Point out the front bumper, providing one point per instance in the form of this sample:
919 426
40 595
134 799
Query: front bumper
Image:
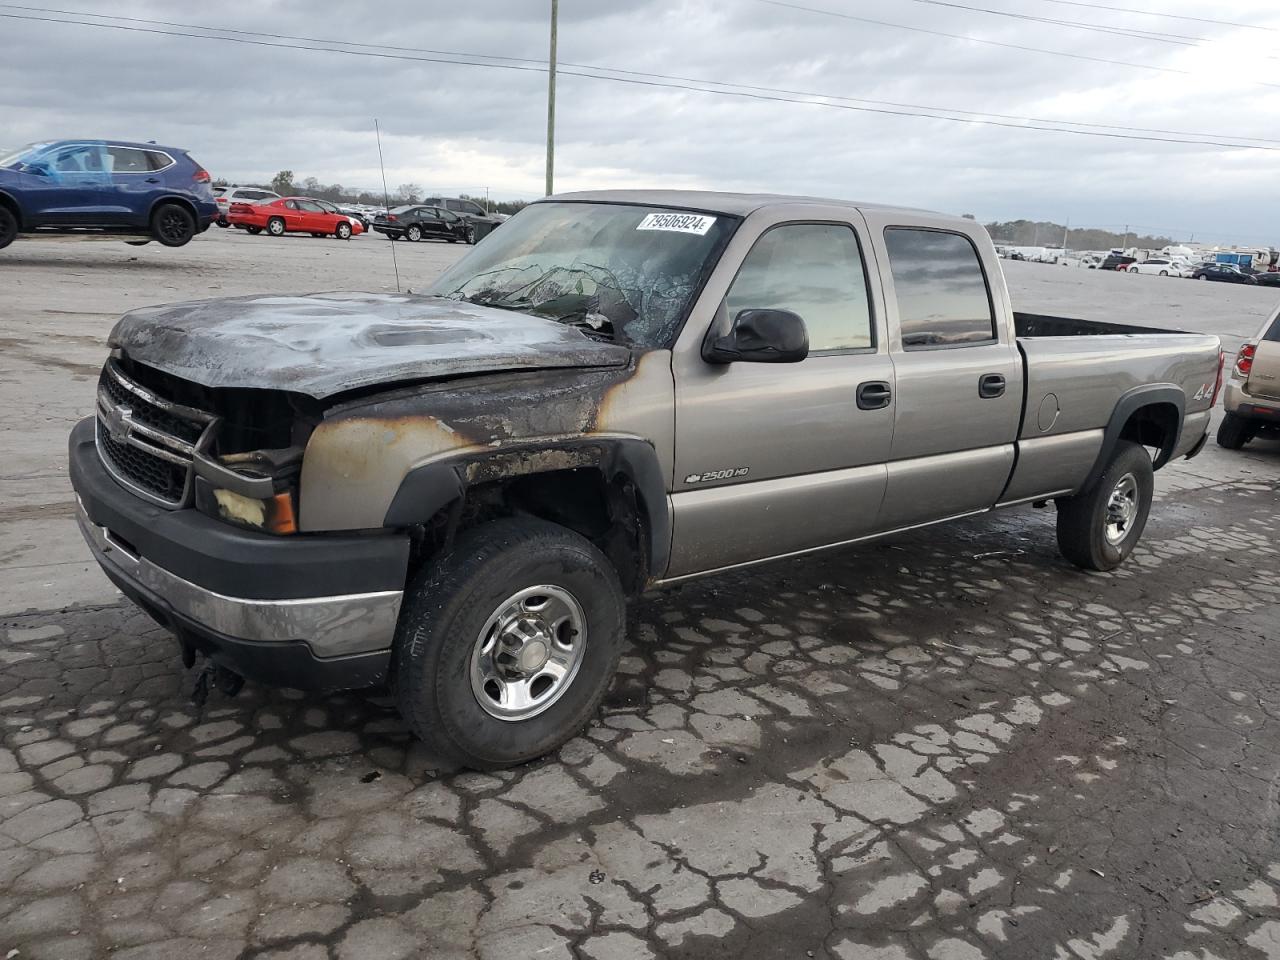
310 612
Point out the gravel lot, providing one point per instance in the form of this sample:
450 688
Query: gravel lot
946 746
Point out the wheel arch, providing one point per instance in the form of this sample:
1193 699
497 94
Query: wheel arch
1151 415
610 489
10 203
180 201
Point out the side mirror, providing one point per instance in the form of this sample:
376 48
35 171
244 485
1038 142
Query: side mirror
760 336
39 168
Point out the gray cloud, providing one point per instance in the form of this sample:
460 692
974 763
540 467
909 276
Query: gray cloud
246 111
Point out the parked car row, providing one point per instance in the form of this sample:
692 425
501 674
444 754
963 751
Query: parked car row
144 191
1177 267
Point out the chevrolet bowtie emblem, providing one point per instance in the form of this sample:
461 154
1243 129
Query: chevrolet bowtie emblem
120 423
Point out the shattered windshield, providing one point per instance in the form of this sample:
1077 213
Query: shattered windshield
623 272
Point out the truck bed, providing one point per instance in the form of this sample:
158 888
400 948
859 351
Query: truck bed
1045 325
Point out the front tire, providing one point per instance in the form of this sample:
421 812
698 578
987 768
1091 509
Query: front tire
222 223
1099 527
1233 432
506 646
173 225
253 231
342 231
275 227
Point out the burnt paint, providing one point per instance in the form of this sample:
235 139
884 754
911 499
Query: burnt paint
325 344
359 454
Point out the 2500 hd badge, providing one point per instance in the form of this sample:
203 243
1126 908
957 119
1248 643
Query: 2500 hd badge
730 474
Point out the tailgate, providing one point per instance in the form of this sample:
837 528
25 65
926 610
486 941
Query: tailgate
1264 377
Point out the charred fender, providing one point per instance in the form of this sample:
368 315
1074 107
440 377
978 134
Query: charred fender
626 461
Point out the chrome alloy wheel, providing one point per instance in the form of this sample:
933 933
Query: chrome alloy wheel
1122 508
528 652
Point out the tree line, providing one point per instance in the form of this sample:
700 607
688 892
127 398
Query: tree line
286 184
1044 233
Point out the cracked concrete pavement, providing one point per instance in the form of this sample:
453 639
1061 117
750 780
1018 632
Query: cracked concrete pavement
946 746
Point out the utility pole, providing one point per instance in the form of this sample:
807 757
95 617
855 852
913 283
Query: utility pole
1126 238
551 101
1065 231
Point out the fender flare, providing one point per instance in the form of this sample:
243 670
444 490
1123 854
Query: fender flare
432 487
1129 404
9 200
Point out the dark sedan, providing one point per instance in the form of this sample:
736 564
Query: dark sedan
416 222
1222 272
1271 279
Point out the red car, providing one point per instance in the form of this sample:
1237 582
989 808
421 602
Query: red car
292 215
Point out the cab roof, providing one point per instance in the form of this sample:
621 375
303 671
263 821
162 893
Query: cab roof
729 204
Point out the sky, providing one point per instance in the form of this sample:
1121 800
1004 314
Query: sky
247 109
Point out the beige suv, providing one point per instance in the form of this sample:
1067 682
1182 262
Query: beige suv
1252 397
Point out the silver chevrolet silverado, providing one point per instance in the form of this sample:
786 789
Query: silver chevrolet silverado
455 493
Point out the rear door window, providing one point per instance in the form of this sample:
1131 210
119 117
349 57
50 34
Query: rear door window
127 160
942 294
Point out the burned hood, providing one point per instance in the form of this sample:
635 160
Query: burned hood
327 343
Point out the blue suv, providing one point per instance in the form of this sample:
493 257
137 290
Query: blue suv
139 190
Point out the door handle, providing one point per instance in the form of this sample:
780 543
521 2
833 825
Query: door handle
153 179
991 385
874 395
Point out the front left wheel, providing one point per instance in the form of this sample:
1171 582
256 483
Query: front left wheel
506 646
342 231
8 227
173 225
1099 527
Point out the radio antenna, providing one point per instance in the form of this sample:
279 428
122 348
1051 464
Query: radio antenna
386 199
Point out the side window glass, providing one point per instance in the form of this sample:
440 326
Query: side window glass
816 271
127 160
77 159
156 160
292 204
941 290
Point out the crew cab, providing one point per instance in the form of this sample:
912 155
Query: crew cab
293 215
618 391
1252 397
114 188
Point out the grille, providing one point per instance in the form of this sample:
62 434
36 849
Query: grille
148 442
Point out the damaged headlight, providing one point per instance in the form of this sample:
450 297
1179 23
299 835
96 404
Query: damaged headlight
255 490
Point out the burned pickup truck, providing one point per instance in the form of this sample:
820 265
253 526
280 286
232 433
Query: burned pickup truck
456 493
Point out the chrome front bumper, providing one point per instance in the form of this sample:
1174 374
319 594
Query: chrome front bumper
331 626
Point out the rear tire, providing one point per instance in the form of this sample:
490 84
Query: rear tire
1233 432
253 231
413 233
222 223
137 243
342 231
275 227
1099 527
470 667
173 225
